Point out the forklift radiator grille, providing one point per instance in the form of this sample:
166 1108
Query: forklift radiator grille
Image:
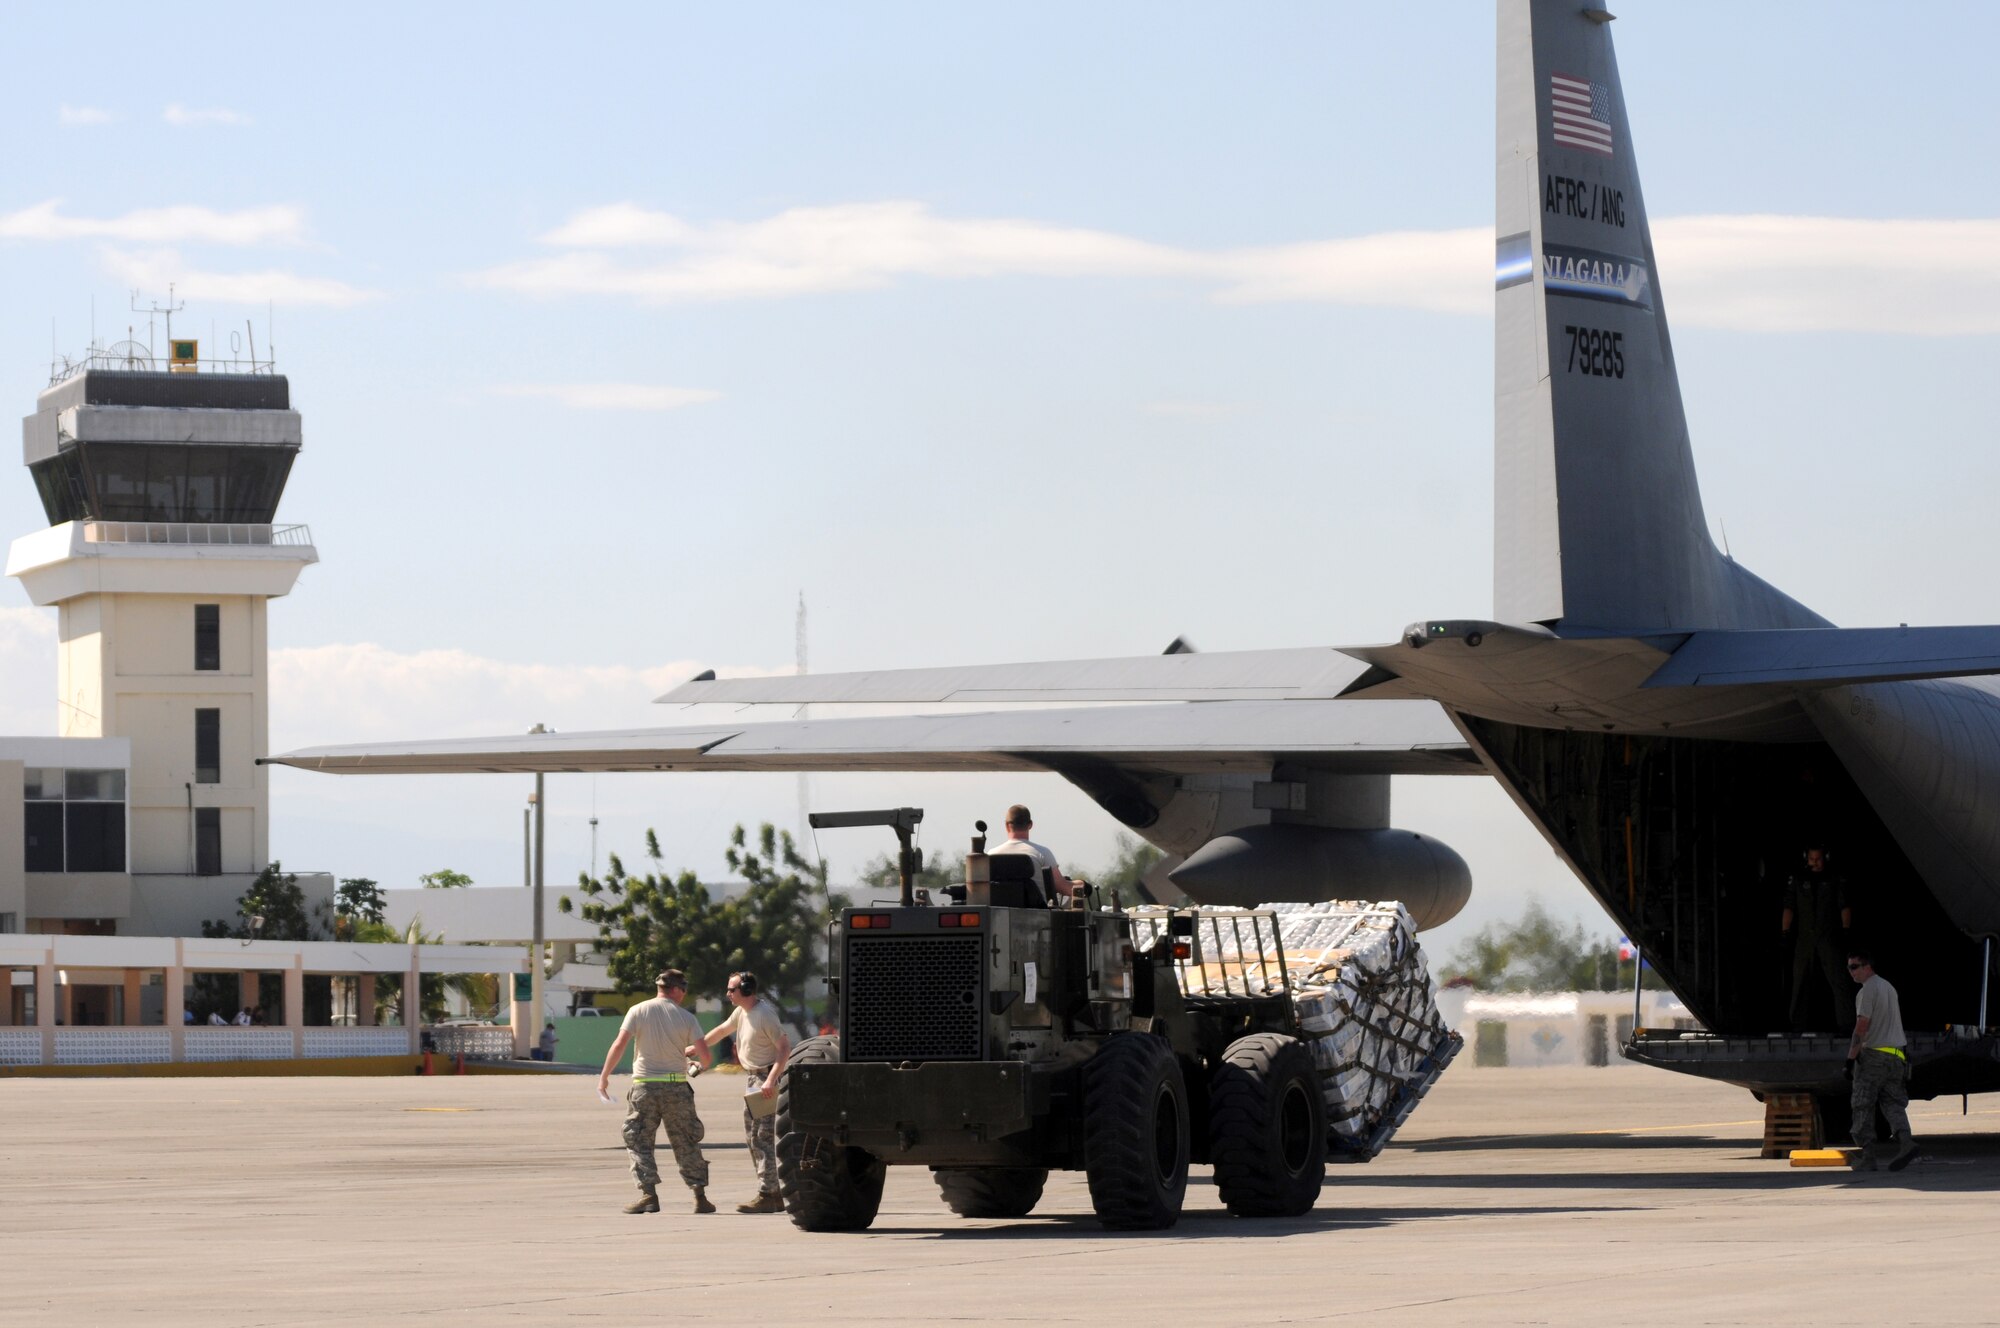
912 998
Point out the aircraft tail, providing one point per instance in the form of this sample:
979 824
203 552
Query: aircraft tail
1598 522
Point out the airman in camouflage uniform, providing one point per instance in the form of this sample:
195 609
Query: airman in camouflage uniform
648 1108
660 1094
1879 1050
761 1049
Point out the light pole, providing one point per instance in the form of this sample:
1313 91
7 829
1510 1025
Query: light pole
536 975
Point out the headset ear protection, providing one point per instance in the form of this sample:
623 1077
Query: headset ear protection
1825 856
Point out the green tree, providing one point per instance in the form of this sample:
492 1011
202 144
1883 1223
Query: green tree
774 928
358 900
660 920
1536 953
477 988
882 879
1119 883
276 898
445 879
655 921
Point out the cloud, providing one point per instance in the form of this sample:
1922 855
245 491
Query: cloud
1825 274
1437 271
811 250
183 224
1750 273
83 115
156 268
612 396
1191 410
190 117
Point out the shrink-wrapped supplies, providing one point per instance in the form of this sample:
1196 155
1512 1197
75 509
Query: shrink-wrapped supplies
1364 996
1360 982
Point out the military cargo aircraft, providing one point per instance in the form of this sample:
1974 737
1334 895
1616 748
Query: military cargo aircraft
1677 728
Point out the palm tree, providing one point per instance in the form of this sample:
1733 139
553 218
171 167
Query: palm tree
477 989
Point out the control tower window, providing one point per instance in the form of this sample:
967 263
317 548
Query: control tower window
207 636
208 841
172 482
208 746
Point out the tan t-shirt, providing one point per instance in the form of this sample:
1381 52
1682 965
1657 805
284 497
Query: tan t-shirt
1877 1003
660 1031
756 1031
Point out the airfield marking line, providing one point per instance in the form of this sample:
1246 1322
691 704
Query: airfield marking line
1655 1129
1716 1125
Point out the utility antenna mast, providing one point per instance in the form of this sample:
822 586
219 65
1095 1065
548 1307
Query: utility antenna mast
805 783
155 307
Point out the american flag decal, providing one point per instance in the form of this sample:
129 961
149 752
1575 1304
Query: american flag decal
1580 113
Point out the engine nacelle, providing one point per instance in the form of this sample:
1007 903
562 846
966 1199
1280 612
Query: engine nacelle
1264 864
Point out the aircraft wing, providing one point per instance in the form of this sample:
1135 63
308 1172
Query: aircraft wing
1387 737
1830 656
1235 675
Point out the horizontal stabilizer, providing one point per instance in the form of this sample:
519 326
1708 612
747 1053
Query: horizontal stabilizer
1389 738
1830 656
1241 675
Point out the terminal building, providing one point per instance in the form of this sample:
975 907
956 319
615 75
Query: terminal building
149 814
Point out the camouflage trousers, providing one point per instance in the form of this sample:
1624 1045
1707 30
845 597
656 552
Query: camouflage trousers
762 1136
647 1108
1880 1081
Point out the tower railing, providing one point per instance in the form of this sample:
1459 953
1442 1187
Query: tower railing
231 533
103 361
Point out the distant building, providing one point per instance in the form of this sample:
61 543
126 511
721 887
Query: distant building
149 813
1528 1029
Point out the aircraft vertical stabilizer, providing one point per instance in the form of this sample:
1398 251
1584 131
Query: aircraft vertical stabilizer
1598 520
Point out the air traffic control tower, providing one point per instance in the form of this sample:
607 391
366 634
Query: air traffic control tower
161 482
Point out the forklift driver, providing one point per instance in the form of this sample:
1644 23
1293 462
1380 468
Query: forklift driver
1018 825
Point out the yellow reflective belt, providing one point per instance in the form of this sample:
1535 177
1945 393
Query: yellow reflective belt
662 1079
1897 1052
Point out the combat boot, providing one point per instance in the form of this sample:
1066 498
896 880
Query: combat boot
647 1202
701 1203
1864 1159
1906 1152
763 1203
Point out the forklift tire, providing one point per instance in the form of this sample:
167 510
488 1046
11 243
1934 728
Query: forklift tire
991 1191
826 1186
1135 1133
1267 1127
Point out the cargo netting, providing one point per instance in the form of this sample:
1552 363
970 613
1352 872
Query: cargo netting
1362 990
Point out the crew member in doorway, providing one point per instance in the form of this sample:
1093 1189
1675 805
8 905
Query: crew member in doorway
1881 1056
1816 913
660 1093
1019 823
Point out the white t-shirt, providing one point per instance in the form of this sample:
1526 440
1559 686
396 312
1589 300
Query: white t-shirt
1042 856
660 1031
756 1031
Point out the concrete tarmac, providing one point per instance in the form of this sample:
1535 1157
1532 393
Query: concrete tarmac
1620 1195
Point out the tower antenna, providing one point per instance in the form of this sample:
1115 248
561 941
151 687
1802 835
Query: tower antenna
155 307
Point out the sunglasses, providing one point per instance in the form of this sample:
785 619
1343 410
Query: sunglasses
1852 967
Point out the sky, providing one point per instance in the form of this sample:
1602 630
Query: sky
996 332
